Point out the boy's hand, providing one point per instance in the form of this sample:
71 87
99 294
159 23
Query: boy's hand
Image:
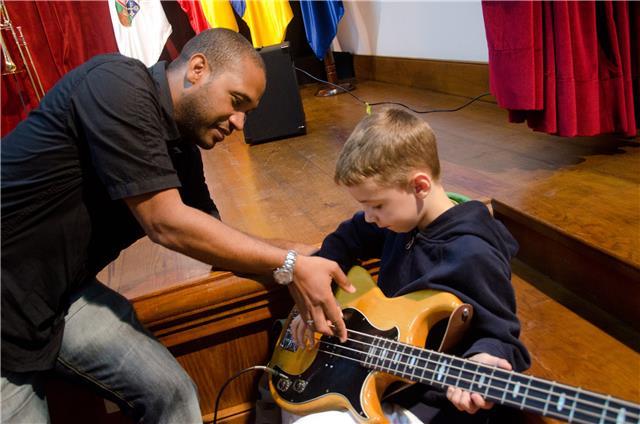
311 290
472 402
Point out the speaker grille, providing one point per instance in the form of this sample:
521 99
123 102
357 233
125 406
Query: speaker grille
280 113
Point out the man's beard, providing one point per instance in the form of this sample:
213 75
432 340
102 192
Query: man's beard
189 120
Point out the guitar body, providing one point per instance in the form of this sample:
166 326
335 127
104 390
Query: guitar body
321 379
384 345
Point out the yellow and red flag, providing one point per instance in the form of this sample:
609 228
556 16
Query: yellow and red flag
267 19
205 14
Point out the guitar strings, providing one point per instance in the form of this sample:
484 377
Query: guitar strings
434 382
507 401
392 343
395 344
474 373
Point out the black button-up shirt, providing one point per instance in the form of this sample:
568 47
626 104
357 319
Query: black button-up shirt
104 132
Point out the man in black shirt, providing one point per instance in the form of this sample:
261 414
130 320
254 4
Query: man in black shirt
109 156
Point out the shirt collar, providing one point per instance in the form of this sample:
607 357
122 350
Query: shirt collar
159 74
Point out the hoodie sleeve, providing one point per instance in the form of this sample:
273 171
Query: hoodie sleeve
353 241
484 281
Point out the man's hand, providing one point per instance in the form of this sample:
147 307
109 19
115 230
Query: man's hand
472 402
311 290
303 334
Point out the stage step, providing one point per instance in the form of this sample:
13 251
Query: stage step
586 271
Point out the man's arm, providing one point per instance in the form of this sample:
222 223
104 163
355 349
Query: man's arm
187 161
170 223
301 248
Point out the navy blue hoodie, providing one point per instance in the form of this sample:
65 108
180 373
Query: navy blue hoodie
464 251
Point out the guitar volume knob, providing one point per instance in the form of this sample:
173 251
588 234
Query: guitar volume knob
283 384
299 386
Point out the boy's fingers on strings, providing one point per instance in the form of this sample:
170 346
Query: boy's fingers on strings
488 359
467 401
461 400
480 401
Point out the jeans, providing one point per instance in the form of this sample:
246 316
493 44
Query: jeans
104 345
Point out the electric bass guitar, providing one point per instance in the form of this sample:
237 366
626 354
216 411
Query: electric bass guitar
354 375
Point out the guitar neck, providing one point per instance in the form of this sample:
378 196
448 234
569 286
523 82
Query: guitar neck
547 398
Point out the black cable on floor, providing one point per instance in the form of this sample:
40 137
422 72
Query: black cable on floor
238 374
368 105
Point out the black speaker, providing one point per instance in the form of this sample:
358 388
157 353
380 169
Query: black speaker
280 113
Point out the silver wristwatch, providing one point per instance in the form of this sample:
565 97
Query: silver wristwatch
284 274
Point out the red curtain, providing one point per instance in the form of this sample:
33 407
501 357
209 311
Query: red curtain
60 36
566 68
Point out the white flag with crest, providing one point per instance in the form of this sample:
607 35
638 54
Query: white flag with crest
141 28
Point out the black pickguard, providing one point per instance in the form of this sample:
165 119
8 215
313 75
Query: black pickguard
330 373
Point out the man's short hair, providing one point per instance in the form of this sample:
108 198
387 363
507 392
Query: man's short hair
387 146
222 47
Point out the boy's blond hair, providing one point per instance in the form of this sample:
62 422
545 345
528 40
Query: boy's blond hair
387 146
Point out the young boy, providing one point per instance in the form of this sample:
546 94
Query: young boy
390 166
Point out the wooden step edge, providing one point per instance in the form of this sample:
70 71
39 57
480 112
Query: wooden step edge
603 320
589 272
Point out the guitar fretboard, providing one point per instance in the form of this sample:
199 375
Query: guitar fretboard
525 392
544 397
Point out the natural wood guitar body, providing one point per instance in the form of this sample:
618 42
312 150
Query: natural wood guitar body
349 386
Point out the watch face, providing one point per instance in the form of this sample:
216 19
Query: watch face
282 276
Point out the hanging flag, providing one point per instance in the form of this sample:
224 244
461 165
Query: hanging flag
141 28
321 23
219 14
196 16
238 6
267 19
205 14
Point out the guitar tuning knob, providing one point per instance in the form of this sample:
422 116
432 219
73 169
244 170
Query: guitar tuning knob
465 314
283 384
299 385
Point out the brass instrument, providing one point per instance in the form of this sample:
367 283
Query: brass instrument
9 66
